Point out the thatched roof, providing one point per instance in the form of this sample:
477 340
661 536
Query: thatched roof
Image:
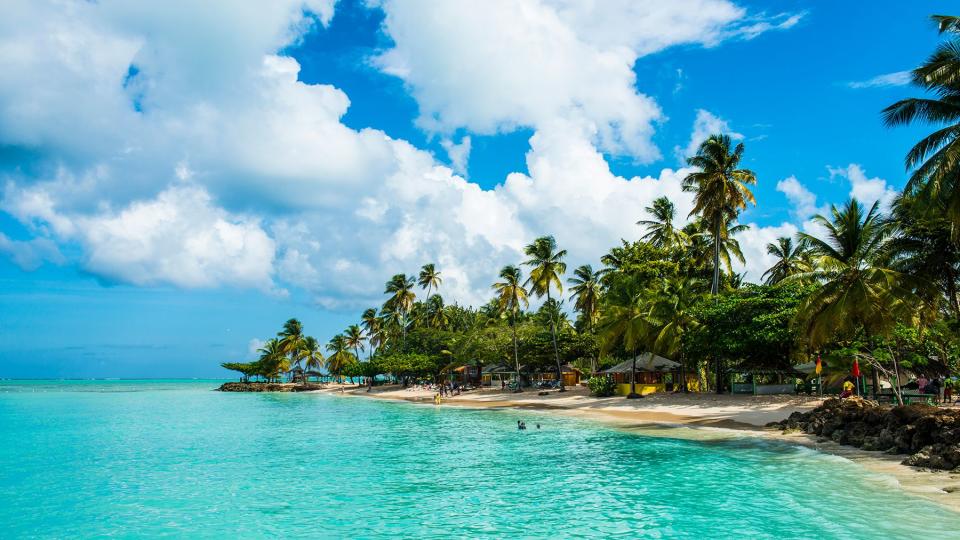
645 362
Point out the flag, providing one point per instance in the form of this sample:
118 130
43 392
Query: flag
819 366
856 368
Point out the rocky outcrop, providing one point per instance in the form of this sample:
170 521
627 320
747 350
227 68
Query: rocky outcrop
929 435
267 387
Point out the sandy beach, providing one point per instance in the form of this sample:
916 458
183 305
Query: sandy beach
691 416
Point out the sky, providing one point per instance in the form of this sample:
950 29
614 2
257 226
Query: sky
178 178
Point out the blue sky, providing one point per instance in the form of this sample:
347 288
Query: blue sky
177 181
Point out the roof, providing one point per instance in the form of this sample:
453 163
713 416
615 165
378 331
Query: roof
645 362
499 368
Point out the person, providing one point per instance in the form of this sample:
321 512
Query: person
519 424
933 387
538 426
847 389
922 384
947 391
503 384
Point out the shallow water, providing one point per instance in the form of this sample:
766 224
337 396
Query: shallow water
173 458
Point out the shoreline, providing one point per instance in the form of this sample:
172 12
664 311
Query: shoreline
699 417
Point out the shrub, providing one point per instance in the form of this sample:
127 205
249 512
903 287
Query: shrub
602 386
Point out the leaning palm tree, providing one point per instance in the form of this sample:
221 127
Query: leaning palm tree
720 190
660 230
429 278
791 259
511 295
546 266
400 289
585 289
935 160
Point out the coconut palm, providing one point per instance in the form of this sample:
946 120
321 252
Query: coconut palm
660 229
585 289
354 339
291 340
429 278
372 327
671 311
400 289
340 356
720 190
935 160
436 313
313 358
623 321
859 288
511 297
791 259
546 266
273 359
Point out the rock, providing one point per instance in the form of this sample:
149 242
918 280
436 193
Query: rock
935 456
267 387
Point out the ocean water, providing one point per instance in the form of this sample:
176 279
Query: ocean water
128 459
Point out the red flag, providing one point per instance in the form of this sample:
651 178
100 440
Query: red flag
856 368
819 367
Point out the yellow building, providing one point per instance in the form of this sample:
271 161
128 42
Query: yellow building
650 373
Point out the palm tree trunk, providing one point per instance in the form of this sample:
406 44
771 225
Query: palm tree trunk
633 376
516 354
952 293
715 288
556 351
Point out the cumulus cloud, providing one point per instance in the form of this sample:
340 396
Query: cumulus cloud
864 189
897 78
704 125
30 254
188 152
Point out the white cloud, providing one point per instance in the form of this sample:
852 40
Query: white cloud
866 190
30 254
897 78
459 154
704 125
753 244
235 172
803 200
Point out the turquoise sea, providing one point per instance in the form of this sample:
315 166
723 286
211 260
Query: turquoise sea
129 459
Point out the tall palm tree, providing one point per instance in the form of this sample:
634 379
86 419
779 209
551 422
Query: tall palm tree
400 289
791 259
354 339
372 327
720 190
660 229
935 160
859 289
585 289
546 266
291 340
340 356
511 296
429 278
311 354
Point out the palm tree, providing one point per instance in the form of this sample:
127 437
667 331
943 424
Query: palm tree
311 354
585 289
273 359
400 289
372 327
354 339
511 295
624 321
671 311
291 340
935 160
791 259
720 189
547 265
429 278
341 355
436 313
660 230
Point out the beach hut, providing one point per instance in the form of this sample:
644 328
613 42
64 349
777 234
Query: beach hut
571 375
495 374
653 374
764 382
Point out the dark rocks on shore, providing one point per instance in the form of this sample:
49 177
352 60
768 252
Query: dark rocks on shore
929 435
267 387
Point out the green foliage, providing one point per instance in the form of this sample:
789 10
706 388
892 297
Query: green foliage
602 386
